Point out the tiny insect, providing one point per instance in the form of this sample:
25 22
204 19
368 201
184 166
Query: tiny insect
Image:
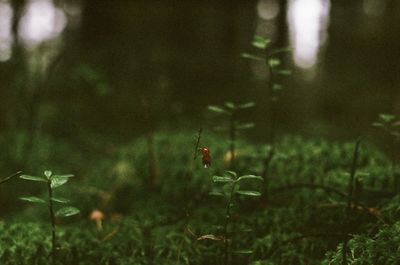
205 151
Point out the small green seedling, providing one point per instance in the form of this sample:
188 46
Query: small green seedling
52 182
273 63
390 125
230 189
231 111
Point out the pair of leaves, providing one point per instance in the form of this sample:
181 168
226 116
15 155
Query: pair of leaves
63 212
35 199
56 180
231 179
229 106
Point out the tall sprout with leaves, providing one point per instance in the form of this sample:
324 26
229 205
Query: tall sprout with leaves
390 125
52 182
274 87
230 187
231 111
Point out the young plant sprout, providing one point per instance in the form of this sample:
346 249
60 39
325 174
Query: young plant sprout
231 110
230 189
273 63
390 125
52 182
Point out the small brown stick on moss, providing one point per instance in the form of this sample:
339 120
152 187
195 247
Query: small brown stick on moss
196 147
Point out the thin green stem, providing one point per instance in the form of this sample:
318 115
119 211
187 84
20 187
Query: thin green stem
196 146
232 135
227 219
271 105
53 224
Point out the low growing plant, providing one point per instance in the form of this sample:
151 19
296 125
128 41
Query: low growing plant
230 189
274 87
52 182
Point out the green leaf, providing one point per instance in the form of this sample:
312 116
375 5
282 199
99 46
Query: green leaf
277 87
48 173
33 199
249 193
273 62
245 126
247 105
64 176
250 177
387 117
60 200
223 179
252 57
59 180
67 211
230 105
243 251
378 124
281 50
215 193
260 42
220 128
232 173
33 178
395 134
217 109
397 123
284 72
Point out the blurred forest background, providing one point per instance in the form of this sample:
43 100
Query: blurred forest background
73 67
114 92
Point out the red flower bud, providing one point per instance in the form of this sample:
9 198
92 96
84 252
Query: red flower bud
206 157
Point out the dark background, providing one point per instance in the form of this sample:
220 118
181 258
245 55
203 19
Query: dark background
181 56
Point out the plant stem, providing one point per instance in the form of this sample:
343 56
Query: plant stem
232 135
271 136
393 166
10 177
53 224
227 219
271 105
350 199
196 147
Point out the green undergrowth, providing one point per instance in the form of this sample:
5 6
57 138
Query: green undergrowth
299 219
